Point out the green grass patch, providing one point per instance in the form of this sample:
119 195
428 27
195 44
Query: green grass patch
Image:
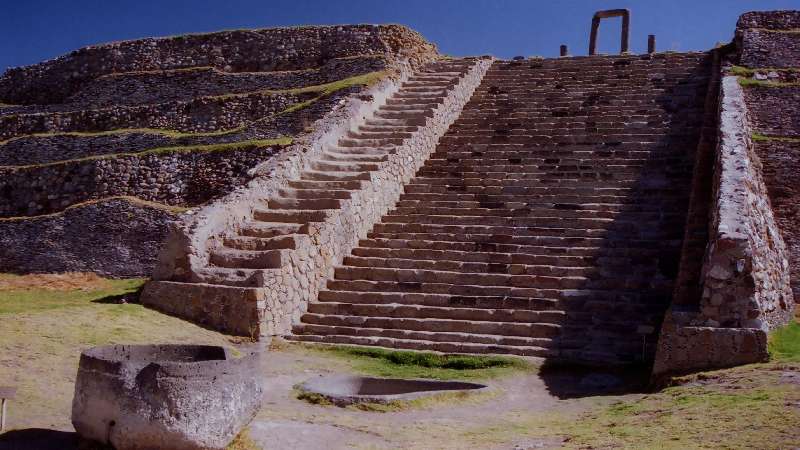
749 82
210 148
133 200
784 343
38 300
407 364
323 90
757 137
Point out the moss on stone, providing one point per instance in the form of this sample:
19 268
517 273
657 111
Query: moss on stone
134 200
210 148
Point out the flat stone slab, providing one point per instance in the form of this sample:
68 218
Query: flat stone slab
165 396
343 390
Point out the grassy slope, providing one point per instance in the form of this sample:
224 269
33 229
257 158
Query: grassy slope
405 364
43 330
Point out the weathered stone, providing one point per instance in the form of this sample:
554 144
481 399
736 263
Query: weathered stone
171 397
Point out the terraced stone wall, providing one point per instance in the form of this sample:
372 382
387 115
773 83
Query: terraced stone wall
114 237
263 50
769 39
770 80
176 121
176 178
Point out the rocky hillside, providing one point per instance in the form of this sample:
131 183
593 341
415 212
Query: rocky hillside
102 147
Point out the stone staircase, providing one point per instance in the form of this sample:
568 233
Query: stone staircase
250 263
548 222
284 222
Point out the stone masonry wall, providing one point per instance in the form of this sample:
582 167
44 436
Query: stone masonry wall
173 178
769 39
45 148
745 277
780 162
775 111
231 51
181 84
198 115
115 237
746 271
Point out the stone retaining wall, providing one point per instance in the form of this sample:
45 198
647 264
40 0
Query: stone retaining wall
781 169
114 237
203 114
285 292
261 50
38 149
769 39
183 84
173 178
745 277
776 110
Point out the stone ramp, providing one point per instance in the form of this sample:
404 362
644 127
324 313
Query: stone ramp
548 222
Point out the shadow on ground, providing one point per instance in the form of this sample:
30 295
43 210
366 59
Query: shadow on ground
566 381
40 439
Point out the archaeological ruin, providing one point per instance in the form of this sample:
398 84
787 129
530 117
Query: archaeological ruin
351 185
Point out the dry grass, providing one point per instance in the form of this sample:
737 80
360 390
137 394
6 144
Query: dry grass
132 200
68 281
47 320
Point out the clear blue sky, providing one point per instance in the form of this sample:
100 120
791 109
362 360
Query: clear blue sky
34 30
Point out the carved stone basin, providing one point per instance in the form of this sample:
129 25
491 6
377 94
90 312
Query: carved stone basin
165 396
343 390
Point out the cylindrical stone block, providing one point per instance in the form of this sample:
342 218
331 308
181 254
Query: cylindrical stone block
651 43
564 50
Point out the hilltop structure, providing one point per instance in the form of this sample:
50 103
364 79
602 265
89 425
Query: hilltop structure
351 185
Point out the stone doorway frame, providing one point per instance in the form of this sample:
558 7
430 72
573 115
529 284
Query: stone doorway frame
625 35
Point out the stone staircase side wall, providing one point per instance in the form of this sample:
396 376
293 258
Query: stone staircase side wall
745 276
769 39
746 271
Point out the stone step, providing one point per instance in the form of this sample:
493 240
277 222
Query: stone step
389 128
533 330
439 337
519 246
440 300
559 202
376 142
318 175
400 122
337 185
340 166
629 224
294 216
353 157
361 134
522 210
308 204
407 114
251 243
233 277
361 150
268 230
660 296
395 311
521 265
315 194
231 258
414 344
508 230
627 281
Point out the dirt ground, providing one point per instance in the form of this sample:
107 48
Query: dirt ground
42 333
